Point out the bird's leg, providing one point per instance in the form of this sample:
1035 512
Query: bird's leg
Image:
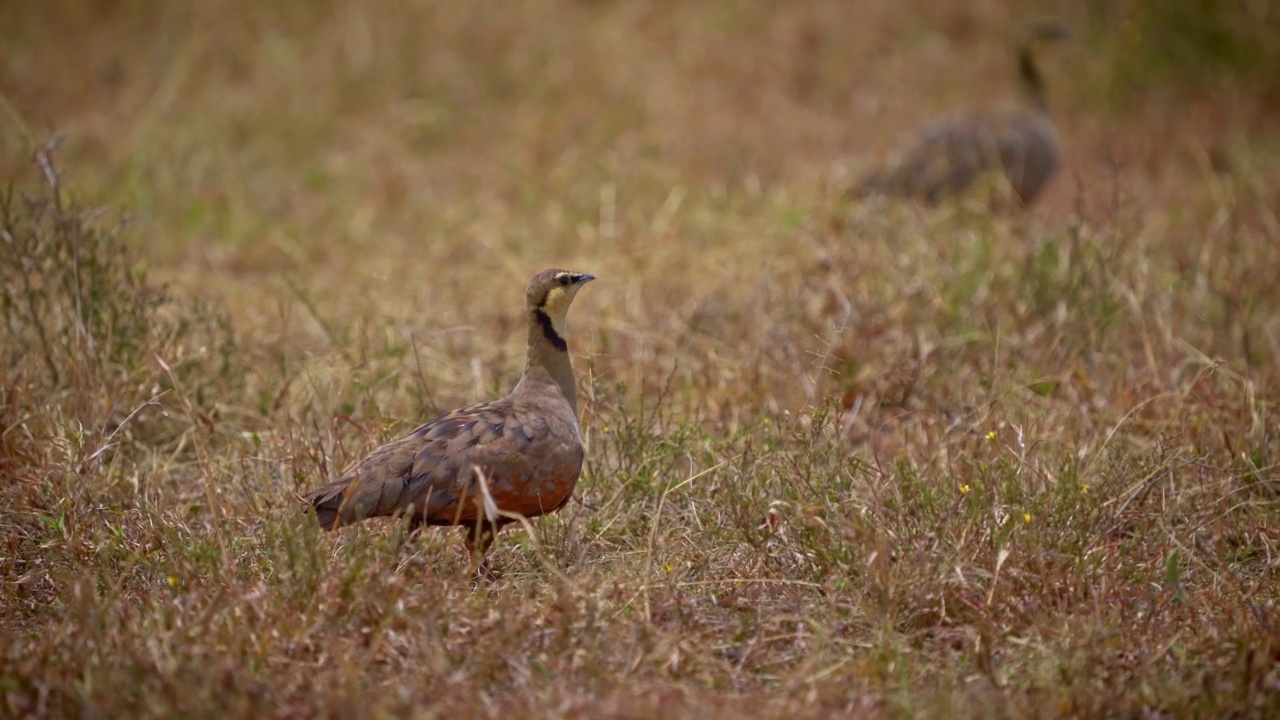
479 538
416 525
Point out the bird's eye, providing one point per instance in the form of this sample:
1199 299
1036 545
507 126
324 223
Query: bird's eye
564 279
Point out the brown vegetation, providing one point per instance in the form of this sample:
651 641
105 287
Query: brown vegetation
876 460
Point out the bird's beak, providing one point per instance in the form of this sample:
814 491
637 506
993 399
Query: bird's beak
585 278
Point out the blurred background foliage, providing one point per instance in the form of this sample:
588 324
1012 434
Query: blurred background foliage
842 457
1191 45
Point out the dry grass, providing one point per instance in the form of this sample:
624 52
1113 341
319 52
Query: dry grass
860 459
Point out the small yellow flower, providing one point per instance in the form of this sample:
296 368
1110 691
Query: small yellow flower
173 581
1026 517
667 568
1084 489
964 489
991 436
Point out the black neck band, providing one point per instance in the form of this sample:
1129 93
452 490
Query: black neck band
549 331
1029 74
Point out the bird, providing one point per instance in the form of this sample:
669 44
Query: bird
1018 140
484 466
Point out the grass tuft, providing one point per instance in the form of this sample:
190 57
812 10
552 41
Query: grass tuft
842 459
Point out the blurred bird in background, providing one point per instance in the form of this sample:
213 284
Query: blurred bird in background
1017 140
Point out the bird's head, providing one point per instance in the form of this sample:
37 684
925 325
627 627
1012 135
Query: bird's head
1044 30
550 292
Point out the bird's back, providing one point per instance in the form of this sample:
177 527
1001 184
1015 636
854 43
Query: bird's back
952 153
526 446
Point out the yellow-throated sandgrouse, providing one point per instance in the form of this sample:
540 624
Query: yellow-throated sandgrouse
525 447
1018 141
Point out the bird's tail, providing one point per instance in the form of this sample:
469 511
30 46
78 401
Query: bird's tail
329 502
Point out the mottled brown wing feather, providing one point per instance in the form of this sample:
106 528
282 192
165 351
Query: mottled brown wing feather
530 465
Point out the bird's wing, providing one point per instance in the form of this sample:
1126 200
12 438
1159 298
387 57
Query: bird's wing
948 155
954 152
429 473
1028 152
